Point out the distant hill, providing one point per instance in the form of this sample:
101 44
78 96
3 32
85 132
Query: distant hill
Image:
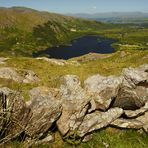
27 18
24 30
115 17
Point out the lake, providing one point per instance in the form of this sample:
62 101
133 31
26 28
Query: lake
81 46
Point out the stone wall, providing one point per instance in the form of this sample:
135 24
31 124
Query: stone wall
75 110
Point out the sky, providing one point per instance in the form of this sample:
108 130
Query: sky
80 6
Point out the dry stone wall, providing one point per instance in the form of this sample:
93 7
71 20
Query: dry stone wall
75 110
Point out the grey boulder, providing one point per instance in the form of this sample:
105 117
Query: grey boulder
9 73
127 123
133 93
46 110
136 123
102 90
75 103
30 77
98 120
144 120
25 76
16 113
136 113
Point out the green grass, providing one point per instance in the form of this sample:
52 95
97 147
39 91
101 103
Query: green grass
50 73
111 137
127 35
116 138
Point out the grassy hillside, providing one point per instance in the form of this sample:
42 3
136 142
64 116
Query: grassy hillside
128 36
50 74
26 18
24 30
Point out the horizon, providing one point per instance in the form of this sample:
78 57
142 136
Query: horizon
74 13
83 6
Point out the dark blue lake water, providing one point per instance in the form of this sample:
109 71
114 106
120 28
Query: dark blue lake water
79 47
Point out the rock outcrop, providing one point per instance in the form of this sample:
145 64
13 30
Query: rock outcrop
9 73
133 92
3 60
75 110
98 120
103 90
28 76
59 62
137 123
136 113
144 120
127 123
75 103
15 114
46 110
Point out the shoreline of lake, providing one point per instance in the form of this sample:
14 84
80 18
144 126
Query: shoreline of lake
78 47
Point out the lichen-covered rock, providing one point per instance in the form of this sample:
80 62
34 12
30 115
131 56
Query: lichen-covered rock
9 73
16 113
27 76
139 119
3 60
127 123
143 68
144 120
37 142
133 93
97 120
87 137
103 90
127 98
75 103
75 110
59 61
136 123
4 91
30 77
134 76
46 110
19 117
136 113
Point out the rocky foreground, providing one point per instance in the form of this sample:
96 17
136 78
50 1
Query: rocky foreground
74 110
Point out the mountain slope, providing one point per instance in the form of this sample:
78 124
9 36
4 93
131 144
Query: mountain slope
24 30
27 18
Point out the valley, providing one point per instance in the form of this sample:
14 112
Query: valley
20 37
59 73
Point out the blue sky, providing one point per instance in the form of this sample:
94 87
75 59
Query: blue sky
80 6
